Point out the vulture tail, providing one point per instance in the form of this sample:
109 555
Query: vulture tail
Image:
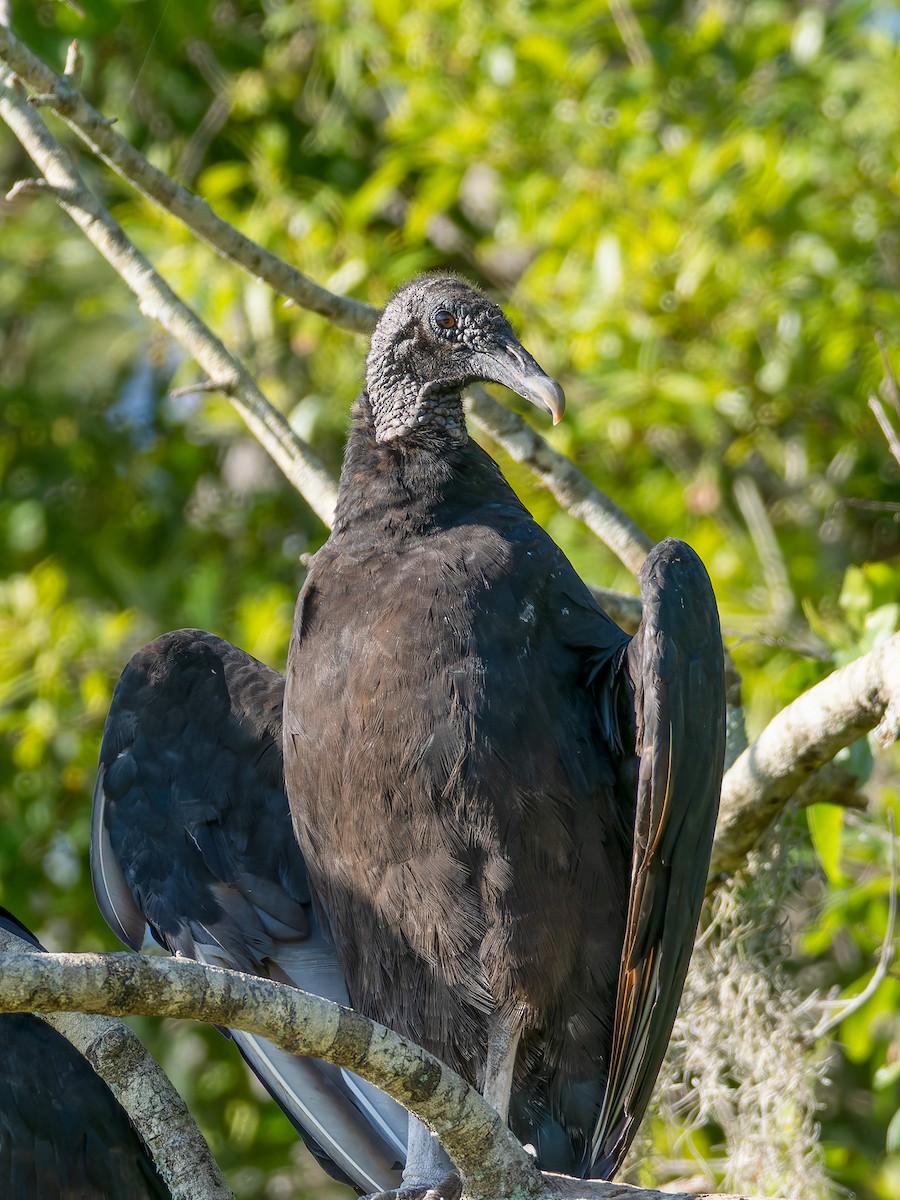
315 1098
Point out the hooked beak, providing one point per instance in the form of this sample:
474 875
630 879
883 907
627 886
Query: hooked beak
512 365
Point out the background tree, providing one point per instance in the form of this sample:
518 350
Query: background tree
691 209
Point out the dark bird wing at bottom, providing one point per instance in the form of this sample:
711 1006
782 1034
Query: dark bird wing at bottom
662 693
63 1134
191 835
675 673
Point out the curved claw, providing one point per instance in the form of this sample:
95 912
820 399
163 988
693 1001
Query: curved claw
449 1188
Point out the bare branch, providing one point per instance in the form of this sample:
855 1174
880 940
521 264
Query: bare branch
803 736
630 32
890 379
74 62
145 1092
887 428
831 784
493 1165
202 385
30 187
569 485
782 602
157 300
118 154
624 608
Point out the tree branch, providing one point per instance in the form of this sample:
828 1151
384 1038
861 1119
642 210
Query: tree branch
570 486
492 1163
886 427
157 300
107 143
853 700
145 1092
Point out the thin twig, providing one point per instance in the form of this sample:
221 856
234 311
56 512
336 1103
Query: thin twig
157 300
887 428
74 63
27 187
846 1008
630 32
890 379
202 385
871 505
782 603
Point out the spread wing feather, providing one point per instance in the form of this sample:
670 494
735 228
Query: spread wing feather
191 835
674 667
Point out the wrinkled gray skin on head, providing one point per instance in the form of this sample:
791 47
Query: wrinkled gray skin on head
416 370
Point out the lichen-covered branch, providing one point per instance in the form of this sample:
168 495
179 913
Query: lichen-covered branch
492 1163
157 300
857 698
490 1159
145 1092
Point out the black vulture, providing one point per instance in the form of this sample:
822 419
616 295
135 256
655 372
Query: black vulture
191 835
506 805
505 880
63 1134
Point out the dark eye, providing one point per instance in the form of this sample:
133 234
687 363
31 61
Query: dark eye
444 318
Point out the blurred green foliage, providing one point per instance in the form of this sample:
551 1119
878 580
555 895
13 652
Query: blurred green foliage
693 220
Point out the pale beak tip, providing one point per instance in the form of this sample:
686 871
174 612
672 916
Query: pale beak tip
556 402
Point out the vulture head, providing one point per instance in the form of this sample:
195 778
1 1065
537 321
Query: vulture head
437 335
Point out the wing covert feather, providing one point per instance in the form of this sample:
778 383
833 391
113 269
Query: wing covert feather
191 834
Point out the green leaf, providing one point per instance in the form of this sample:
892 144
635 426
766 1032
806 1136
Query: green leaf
892 1141
826 823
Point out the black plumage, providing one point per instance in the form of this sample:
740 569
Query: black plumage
461 721
505 804
63 1135
191 835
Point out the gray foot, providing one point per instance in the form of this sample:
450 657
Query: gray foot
449 1188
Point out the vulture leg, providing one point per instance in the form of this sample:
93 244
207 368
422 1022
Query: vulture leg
503 1042
429 1174
427 1163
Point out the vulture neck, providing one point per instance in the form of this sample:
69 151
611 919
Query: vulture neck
428 478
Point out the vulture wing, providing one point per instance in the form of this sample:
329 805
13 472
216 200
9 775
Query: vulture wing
191 835
674 666
62 1131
